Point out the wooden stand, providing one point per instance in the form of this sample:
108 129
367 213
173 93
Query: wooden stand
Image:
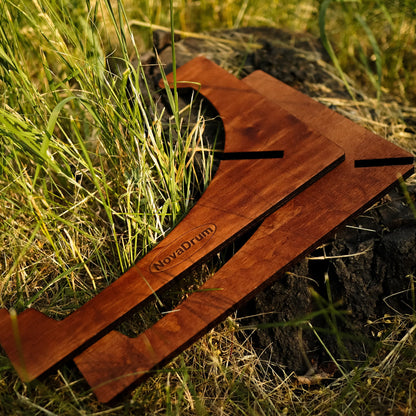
116 362
244 191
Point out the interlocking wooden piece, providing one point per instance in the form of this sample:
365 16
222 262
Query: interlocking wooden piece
241 194
117 362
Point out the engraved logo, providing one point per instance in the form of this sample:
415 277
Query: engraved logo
183 248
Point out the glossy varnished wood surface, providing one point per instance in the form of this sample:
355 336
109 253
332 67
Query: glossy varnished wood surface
117 362
241 194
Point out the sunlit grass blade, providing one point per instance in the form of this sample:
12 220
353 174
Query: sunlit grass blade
377 55
327 44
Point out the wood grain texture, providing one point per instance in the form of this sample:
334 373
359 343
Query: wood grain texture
241 194
116 362
253 121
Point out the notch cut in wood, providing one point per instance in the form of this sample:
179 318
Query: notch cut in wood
273 154
383 161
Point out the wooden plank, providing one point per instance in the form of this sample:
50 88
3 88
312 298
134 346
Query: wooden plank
241 194
116 362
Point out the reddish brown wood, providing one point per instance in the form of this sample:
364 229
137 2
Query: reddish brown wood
116 362
241 193
253 121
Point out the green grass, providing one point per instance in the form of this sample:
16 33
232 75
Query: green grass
92 177
373 41
79 163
